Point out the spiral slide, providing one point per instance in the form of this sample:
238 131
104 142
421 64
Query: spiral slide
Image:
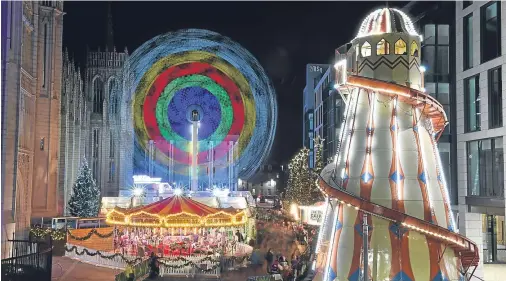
388 170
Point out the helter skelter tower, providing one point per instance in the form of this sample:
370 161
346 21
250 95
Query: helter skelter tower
386 192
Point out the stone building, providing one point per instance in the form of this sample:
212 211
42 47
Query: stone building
92 120
31 86
270 180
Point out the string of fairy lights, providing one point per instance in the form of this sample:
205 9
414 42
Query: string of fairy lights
145 219
302 187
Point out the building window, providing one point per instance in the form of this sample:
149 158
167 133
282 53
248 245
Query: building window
112 170
429 61
44 60
472 104
485 168
414 49
98 95
490 31
468 41
95 153
443 60
27 50
112 145
494 239
400 47
443 34
383 47
113 96
494 98
466 4
429 36
366 49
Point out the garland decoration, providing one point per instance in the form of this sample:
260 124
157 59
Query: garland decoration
40 232
59 234
109 257
88 236
193 264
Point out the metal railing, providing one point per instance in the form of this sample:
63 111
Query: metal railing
29 261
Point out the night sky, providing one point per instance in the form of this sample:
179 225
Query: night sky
283 36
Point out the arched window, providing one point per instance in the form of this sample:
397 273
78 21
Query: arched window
113 96
414 49
400 47
383 47
366 49
98 95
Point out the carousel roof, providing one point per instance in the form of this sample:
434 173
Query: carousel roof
174 205
176 211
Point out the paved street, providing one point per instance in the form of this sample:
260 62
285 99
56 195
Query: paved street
277 238
65 269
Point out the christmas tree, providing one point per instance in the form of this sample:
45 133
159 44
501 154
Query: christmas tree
318 147
302 180
85 199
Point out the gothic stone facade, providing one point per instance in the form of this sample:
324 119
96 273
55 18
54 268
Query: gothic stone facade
31 85
92 110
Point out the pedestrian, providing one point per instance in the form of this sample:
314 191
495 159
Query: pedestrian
269 257
240 238
295 265
153 266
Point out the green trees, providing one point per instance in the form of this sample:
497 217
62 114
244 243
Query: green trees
85 199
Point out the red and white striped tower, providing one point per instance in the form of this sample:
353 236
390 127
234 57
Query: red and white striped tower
388 166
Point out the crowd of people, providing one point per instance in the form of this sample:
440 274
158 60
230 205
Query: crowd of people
278 263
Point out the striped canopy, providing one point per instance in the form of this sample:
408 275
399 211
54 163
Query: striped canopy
175 205
176 211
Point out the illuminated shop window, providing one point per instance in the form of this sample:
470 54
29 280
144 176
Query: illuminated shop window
400 47
383 47
366 49
414 49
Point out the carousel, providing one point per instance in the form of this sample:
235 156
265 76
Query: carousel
177 226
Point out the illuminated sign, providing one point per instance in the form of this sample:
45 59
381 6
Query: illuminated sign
316 216
316 68
146 179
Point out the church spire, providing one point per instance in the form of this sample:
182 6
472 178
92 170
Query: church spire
110 32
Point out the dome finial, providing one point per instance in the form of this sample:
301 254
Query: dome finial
386 20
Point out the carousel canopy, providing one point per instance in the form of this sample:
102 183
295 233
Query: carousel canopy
176 211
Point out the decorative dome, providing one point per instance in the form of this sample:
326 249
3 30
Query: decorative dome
386 20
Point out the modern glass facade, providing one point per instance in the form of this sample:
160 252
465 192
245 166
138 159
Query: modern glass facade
480 127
